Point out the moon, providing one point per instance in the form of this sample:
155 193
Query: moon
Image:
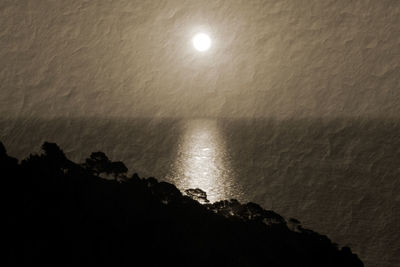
201 42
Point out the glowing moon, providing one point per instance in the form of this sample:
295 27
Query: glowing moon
201 42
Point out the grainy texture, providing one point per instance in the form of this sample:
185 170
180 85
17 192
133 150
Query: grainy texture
304 60
134 58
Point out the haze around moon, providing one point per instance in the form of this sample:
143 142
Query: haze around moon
278 59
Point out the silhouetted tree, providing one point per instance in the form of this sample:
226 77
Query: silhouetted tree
151 181
118 169
294 224
197 194
166 192
135 176
59 213
3 151
6 162
98 163
53 151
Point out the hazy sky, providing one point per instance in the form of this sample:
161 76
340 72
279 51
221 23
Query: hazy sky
135 58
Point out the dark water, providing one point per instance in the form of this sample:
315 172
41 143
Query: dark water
338 177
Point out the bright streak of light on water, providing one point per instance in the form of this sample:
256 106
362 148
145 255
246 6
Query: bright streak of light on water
202 160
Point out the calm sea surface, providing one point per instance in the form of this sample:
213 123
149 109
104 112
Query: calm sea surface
338 177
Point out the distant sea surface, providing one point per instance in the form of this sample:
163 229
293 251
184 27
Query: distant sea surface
339 177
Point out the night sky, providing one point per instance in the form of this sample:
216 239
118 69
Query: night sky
135 58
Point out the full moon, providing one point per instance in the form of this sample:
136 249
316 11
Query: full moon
201 42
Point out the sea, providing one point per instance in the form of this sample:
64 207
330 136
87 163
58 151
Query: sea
337 176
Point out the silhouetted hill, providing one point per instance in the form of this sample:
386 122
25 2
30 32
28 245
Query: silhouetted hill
59 213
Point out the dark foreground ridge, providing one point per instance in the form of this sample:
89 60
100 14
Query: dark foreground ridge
59 213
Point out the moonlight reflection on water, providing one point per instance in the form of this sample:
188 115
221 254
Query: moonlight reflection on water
203 162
